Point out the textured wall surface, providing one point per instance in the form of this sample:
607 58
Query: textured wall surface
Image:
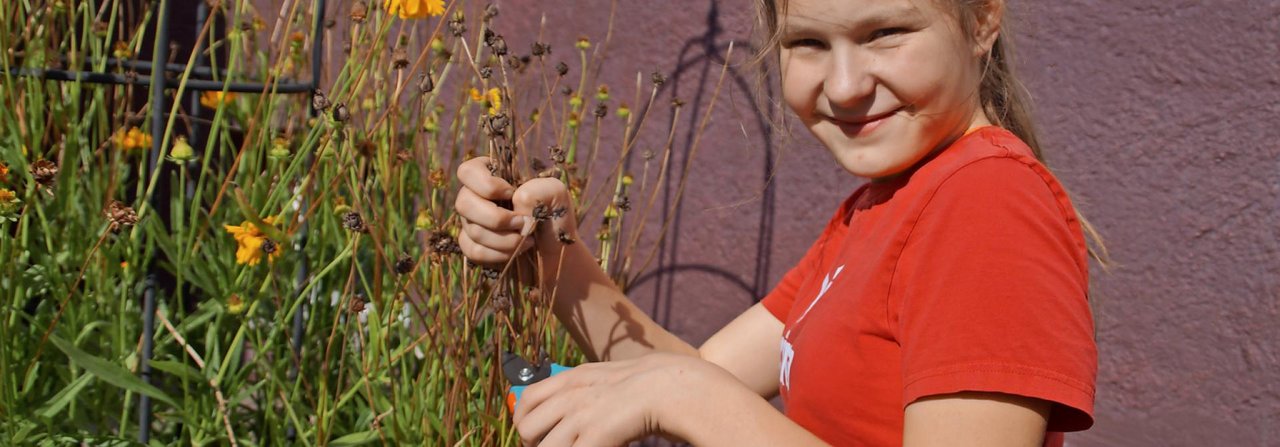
1162 117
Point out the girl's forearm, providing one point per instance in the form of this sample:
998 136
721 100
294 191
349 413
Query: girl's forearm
599 317
736 417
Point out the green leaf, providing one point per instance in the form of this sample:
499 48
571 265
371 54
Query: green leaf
110 372
63 398
179 369
360 438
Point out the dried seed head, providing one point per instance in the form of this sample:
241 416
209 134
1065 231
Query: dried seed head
562 68
498 124
426 84
120 215
489 273
559 212
359 11
500 302
443 243
540 49
340 113
554 172
399 58
486 72
647 154
541 212
45 172
404 156
677 102
457 24
405 264
437 178
623 203
490 11
498 45
565 238
601 110
557 154
357 304
353 222
658 79
319 101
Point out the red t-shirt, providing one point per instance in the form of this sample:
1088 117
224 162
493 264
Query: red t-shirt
967 274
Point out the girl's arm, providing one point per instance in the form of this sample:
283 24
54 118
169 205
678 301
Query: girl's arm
600 318
975 419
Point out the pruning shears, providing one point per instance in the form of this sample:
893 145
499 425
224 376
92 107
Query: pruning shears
520 373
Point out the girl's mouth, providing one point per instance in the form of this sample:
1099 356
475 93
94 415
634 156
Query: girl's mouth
862 126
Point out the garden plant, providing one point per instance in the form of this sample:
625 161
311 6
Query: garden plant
299 247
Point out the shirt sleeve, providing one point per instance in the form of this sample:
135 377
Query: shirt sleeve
991 292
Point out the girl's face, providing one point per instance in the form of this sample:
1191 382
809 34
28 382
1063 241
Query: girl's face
881 83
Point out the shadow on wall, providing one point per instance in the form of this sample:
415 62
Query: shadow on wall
699 62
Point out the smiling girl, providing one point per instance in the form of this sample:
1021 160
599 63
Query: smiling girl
945 302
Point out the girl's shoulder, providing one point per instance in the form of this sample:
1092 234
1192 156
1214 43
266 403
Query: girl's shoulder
993 156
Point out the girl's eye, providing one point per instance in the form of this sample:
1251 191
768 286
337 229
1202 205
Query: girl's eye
803 43
885 32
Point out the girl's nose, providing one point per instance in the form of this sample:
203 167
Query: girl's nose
849 81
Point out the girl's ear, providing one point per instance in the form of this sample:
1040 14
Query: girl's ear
989 17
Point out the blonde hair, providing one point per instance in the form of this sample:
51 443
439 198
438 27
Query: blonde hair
1004 99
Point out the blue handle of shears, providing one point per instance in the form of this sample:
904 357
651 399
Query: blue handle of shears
513 393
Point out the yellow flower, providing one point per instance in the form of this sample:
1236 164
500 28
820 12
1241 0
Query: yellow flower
132 139
8 200
491 98
234 305
215 99
253 243
415 9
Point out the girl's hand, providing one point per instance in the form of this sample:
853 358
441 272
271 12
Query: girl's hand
612 403
492 234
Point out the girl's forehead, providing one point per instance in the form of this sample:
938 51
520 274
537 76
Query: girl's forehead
853 13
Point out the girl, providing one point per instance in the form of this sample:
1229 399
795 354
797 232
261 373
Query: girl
944 304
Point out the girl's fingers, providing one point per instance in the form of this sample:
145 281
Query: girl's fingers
475 175
481 254
564 434
539 421
502 241
481 211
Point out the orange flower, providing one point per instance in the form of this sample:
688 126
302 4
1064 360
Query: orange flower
253 243
215 99
491 98
415 9
132 139
4 173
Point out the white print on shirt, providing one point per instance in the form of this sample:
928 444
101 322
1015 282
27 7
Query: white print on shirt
789 353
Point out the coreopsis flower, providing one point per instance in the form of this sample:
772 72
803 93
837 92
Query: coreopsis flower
8 201
491 98
415 9
4 173
235 305
215 99
132 139
253 243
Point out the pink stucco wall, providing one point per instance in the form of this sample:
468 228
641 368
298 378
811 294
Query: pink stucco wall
1161 116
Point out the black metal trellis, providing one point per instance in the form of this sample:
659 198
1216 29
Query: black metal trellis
158 82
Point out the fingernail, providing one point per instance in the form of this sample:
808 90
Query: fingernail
529 225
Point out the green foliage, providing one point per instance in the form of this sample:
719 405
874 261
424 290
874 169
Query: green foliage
308 286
